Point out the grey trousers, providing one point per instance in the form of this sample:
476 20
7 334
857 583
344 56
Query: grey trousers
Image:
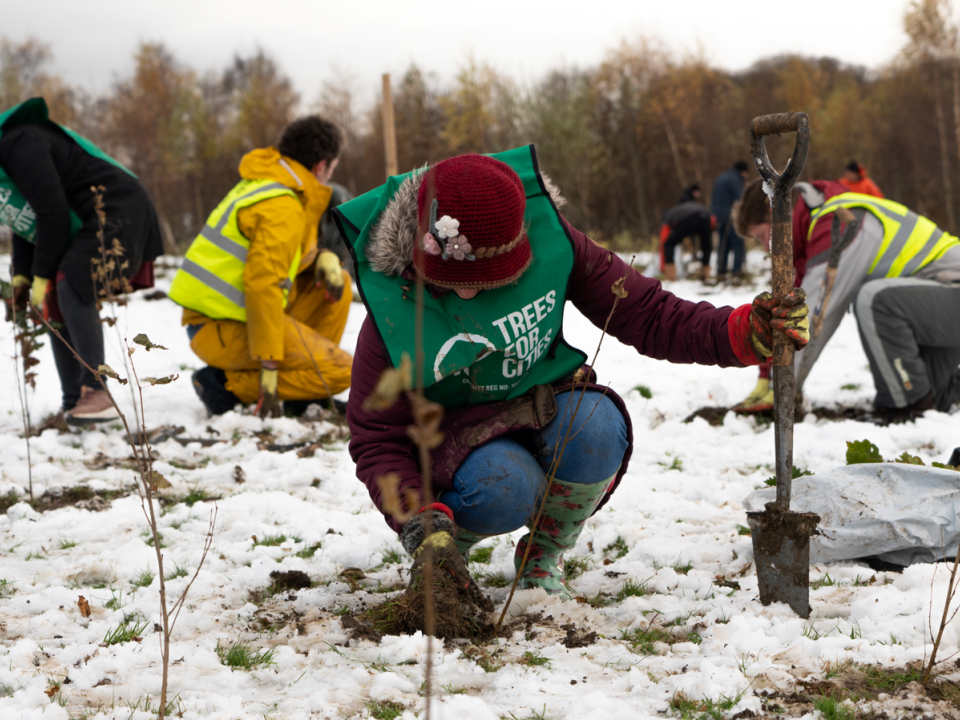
910 330
85 333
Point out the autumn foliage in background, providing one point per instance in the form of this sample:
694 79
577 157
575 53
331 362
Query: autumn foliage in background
621 139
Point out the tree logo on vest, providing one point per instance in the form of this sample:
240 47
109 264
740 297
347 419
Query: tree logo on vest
471 338
521 334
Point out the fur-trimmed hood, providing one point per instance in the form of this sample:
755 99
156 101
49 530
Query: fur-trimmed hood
393 239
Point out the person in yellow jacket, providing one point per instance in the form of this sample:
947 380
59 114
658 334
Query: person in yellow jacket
263 307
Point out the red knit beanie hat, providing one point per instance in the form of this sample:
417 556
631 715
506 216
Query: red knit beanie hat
471 233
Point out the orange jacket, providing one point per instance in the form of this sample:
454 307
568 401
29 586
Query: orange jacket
864 186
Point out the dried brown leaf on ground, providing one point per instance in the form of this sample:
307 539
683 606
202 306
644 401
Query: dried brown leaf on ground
84 606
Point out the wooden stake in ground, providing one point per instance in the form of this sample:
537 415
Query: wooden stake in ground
389 128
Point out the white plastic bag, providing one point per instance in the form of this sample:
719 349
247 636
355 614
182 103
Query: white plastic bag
900 514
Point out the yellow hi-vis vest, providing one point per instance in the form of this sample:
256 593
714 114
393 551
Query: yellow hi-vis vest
210 280
910 241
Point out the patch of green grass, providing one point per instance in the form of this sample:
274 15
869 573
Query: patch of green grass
8 501
534 715
707 709
147 536
274 540
144 578
342 610
6 588
633 588
115 602
850 386
126 631
392 555
240 655
889 680
575 566
35 555
308 552
825 581
644 391
178 572
618 548
644 640
682 568
833 708
743 530
194 496
449 689
677 464
385 710
494 578
481 555
65 544
796 472
533 658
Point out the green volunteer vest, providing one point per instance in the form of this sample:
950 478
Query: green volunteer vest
501 343
210 280
910 241
15 211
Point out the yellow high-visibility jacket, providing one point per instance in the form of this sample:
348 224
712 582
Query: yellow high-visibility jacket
242 265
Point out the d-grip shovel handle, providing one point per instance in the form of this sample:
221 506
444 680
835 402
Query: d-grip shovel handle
781 247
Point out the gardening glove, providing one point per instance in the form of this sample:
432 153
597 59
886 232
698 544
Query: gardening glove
438 548
269 405
329 275
38 294
790 316
20 286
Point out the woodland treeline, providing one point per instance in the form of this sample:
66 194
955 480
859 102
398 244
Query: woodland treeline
620 139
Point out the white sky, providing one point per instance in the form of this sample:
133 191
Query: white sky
93 42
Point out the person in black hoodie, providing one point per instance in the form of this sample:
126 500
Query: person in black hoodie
688 218
55 173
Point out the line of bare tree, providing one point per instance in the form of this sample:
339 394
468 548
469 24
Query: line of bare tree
621 139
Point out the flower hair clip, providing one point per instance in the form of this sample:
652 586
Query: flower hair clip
448 229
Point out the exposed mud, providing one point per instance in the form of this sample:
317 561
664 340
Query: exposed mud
289 580
876 693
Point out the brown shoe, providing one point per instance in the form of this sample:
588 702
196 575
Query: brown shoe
94 406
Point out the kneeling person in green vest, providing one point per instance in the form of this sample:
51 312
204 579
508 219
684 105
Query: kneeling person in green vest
524 426
262 306
898 271
47 178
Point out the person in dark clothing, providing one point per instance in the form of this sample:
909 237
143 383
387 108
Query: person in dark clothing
329 236
688 218
50 172
727 189
485 236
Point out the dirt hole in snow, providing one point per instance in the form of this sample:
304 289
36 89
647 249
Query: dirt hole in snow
289 580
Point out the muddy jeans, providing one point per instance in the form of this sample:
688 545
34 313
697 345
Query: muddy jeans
498 487
82 329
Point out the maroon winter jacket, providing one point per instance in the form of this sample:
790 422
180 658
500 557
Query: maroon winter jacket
656 322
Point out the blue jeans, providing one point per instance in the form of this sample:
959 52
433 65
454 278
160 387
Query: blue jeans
498 487
730 242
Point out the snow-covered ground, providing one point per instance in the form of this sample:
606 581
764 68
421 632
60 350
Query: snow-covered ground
673 527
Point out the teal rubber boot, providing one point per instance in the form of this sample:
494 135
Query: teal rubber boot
466 539
566 511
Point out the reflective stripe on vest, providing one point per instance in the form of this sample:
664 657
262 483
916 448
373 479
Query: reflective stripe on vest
210 280
910 241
